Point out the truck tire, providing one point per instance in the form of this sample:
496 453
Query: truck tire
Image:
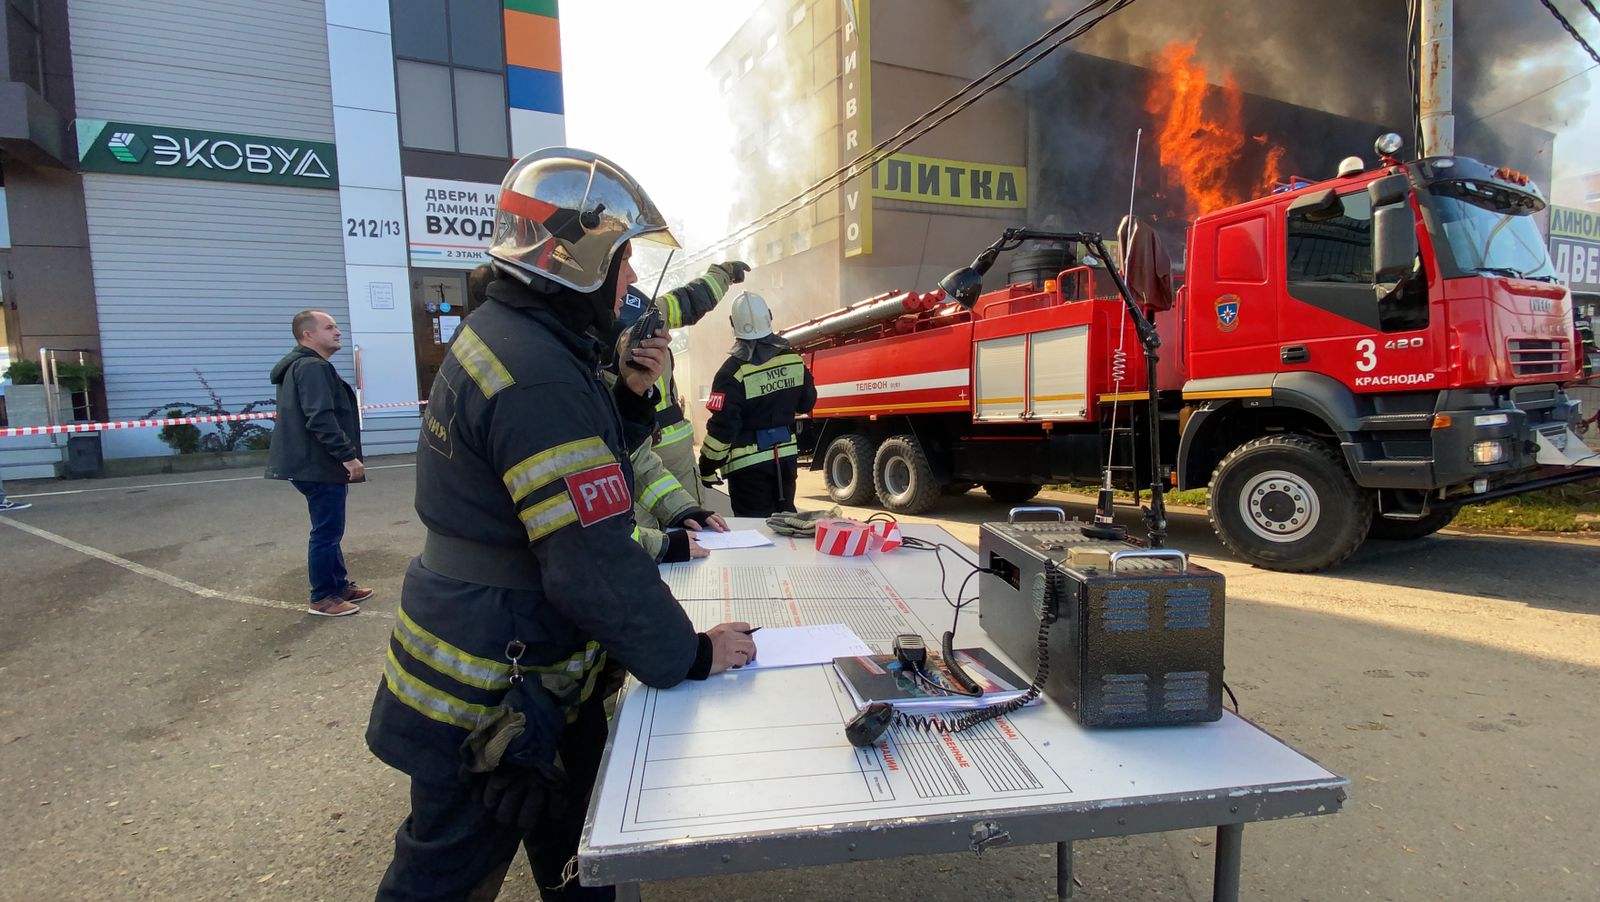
1011 492
1287 503
902 476
847 469
1407 530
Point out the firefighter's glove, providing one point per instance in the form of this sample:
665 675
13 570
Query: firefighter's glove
708 473
733 270
793 523
511 756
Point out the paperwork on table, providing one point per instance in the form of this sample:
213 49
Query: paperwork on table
737 538
792 646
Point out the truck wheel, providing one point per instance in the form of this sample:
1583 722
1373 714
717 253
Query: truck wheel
1286 502
1406 530
903 478
847 469
1011 492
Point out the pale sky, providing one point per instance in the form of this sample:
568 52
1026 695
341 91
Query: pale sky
637 91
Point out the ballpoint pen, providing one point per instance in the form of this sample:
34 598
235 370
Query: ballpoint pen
750 630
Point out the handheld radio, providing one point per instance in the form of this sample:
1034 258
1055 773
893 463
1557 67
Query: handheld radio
648 322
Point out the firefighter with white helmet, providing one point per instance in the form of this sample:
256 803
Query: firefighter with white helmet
530 594
679 308
754 399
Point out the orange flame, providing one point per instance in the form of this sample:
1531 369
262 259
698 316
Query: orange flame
1200 148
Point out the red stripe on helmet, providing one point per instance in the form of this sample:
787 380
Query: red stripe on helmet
526 207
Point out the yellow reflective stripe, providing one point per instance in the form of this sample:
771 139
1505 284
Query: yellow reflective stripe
548 516
573 663
671 310
658 490
428 701
636 535
677 432
714 448
665 401
448 659
749 455
480 362
546 467
781 360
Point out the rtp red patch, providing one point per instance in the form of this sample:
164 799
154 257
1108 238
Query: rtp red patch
715 402
599 494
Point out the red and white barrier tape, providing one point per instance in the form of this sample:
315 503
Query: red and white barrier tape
850 538
20 431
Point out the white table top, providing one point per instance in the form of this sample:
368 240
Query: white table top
706 767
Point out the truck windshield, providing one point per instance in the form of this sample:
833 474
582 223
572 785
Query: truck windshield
1490 230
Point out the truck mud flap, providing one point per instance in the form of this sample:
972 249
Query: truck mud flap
1560 447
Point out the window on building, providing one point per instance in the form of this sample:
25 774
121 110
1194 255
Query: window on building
22 43
450 75
772 41
774 251
727 83
748 63
1332 248
797 15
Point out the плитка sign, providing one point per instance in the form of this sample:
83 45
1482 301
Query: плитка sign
185 153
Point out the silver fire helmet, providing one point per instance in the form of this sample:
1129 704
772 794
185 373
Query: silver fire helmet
563 214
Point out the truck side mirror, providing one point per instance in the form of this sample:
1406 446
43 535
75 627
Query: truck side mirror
1394 242
963 286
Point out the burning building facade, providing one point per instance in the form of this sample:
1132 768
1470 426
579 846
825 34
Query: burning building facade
810 85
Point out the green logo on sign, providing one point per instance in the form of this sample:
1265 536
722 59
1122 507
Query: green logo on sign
132 149
127 147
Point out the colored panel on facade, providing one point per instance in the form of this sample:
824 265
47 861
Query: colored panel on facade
537 7
531 130
534 89
533 42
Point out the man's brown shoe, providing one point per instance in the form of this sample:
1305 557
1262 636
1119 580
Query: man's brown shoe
355 594
333 607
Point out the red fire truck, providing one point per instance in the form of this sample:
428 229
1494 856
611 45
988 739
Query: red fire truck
1351 358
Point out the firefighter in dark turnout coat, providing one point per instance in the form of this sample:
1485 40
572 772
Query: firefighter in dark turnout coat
753 402
529 584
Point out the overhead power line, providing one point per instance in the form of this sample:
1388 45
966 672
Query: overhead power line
946 109
1573 31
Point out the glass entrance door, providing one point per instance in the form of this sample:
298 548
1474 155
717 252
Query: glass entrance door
438 305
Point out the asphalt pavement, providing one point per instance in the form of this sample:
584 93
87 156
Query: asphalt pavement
174 726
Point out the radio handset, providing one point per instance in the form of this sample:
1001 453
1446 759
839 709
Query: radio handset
648 322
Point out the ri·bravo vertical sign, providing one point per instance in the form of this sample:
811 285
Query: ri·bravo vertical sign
855 132
186 153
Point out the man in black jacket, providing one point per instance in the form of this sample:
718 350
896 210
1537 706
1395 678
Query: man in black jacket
317 447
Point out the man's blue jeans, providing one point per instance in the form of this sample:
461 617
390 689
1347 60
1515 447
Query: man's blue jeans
324 557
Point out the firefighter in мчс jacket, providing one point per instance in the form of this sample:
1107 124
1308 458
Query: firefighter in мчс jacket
680 308
753 402
529 584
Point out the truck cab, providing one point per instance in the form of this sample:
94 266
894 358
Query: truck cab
1365 354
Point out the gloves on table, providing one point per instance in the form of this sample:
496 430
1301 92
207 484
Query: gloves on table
797 523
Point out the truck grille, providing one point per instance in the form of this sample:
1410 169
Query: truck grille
1538 357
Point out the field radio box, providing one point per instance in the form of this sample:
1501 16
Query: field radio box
1136 637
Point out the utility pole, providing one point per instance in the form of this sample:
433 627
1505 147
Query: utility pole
1434 87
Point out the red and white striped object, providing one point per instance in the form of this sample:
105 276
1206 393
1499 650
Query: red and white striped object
842 538
19 431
